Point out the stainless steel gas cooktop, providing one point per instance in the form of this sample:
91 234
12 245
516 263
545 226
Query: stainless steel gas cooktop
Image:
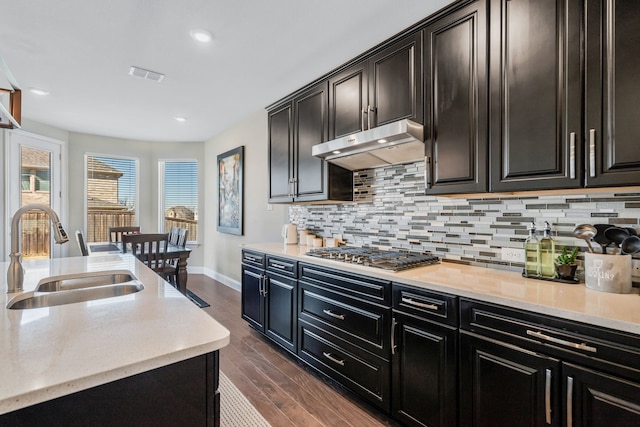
374 257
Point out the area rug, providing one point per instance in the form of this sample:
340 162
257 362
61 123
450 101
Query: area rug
196 299
235 409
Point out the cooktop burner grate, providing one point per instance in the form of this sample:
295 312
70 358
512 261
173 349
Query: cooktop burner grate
373 257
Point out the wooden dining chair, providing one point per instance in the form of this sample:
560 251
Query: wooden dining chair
173 235
148 248
171 267
82 243
116 233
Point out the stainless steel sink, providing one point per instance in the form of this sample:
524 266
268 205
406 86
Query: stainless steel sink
49 299
88 279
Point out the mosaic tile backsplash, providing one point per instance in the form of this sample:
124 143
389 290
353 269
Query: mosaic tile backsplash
391 211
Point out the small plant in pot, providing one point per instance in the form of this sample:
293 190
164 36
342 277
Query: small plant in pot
566 263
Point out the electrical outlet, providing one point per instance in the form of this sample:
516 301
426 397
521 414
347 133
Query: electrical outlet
513 254
269 207
635 268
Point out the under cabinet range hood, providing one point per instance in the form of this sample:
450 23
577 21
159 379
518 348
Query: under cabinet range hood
397 142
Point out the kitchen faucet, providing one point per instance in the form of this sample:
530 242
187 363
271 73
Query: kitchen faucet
15 273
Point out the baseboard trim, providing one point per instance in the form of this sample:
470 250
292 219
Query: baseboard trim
225 280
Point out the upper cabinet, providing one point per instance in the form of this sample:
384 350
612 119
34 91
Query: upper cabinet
535 57
612 92
380 89
294 174
456 81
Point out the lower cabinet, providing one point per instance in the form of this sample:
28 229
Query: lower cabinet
181 394
424 357
269 297
523 369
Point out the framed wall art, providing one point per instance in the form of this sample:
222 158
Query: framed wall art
230 191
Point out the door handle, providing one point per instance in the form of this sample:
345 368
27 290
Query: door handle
332 314
393 335
419 304
427 172
372 110
579 346
569 401
364 111
547 396
572 155
592 153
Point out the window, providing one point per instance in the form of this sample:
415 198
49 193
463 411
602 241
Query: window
178 198
111 195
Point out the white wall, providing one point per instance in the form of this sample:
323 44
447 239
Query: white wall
222 254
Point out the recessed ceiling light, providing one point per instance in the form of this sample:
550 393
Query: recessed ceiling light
382 141
37 91
202 36
336 152
181 119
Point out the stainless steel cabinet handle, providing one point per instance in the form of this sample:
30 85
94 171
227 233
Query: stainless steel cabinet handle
332 314
427 172
569 401
393 335
419 304
364 111
572 155
250 258
581 346
592 153
266 279
261 285
372 110
333 359
547 396
280 266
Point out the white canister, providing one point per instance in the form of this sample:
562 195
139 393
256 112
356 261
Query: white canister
310 238
330 242
317 242
303 237
608 273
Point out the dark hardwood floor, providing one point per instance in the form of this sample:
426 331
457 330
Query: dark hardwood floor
284 392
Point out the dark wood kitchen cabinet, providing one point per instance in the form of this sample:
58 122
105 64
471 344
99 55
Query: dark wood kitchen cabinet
378 90
269 297
536 94
424 357
294 174
612 60
522 369
456 108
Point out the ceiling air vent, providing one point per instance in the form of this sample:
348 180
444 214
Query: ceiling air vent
146 74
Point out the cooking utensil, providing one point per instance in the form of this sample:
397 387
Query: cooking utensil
586 233
616 235
600 238
630 245
632 231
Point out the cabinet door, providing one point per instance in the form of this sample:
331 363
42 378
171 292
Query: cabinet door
505 386
596 399
535 94
457 112
281 314
280 155
395 83
612 92
311 126
424 373
348 101
252 299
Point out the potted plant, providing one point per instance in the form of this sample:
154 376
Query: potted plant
566 263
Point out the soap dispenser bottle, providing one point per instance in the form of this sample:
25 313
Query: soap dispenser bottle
532 253
547 253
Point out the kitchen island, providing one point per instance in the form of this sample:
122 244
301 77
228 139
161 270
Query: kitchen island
151 338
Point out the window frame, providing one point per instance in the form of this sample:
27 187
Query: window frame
85 200
161 194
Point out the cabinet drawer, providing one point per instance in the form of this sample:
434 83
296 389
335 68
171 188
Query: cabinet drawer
365 374
427 304
283 266
612 351
362 287
253 258
358 322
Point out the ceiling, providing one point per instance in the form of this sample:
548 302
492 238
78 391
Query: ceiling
80 51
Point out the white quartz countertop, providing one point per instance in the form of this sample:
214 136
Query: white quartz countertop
50 352
568 301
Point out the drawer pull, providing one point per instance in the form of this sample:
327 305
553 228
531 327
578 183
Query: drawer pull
250 258
547 396
393 335
419 304
581 346
332 314
280 266
333 359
